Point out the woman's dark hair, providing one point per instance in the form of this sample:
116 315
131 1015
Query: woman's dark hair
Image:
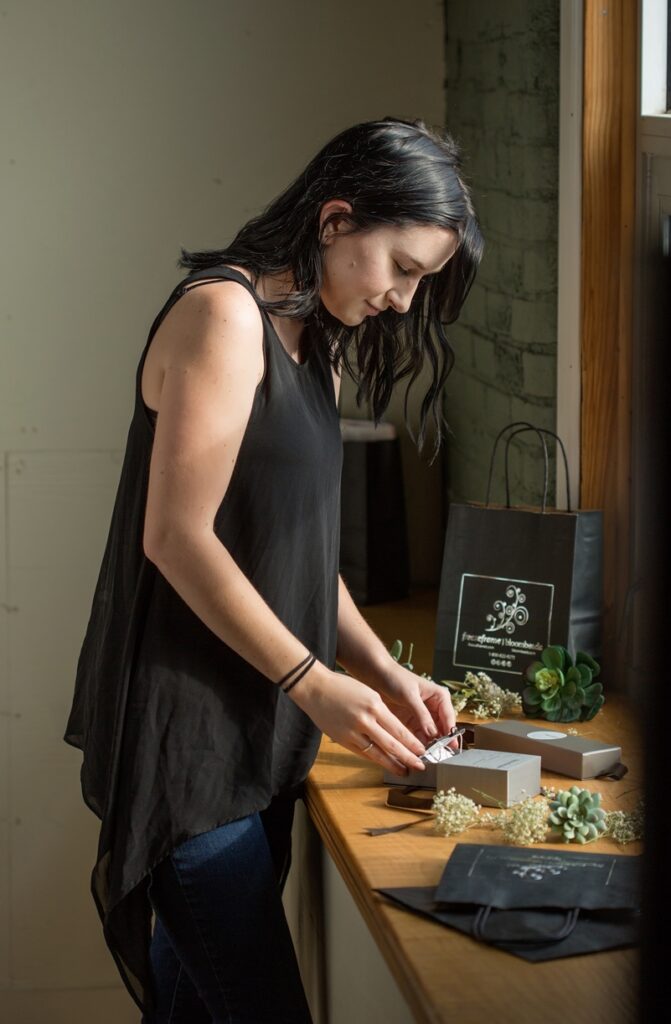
391 172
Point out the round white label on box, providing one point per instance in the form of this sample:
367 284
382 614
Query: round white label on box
546 734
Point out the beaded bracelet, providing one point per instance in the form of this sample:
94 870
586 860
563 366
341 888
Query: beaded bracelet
286 682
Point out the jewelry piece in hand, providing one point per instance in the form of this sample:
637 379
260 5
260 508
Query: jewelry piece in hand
366 749
440 750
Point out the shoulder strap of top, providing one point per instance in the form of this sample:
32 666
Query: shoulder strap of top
211 273
192 280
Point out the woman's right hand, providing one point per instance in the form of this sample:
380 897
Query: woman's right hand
352 714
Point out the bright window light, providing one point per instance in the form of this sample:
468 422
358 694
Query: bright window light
654 58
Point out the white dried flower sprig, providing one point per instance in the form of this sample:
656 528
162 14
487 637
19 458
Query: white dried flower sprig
625 826
525 823
481 695
454 813
522 824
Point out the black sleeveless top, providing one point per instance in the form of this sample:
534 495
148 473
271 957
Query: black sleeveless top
179 733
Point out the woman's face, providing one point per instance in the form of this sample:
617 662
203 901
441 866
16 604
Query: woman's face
364 272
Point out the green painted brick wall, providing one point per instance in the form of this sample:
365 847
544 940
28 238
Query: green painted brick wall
502 92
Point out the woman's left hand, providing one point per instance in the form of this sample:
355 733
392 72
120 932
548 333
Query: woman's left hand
424 707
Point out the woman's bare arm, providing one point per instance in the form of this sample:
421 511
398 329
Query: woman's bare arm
424 706
211 347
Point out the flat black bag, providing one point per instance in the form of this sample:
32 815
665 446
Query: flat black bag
536 904
517 579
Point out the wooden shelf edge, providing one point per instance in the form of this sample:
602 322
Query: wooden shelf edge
367 902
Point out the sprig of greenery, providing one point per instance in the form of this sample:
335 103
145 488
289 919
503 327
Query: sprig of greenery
396 651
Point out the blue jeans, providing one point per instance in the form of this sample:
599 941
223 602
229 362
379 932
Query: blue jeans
221 950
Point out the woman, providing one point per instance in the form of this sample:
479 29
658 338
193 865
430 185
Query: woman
206 676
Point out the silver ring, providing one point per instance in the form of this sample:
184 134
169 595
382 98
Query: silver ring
366 749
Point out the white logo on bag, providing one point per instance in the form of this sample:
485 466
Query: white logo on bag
509 614
536 872
479 647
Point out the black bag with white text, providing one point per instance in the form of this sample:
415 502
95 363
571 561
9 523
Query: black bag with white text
515 580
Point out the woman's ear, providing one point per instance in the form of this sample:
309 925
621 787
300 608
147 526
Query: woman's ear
331 221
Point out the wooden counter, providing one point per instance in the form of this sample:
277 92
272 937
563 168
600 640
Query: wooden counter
444 975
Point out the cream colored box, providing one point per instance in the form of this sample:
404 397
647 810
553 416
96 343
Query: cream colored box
491 777
560 752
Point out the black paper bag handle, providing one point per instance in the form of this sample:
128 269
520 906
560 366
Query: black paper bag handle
525 427
538 937
538 432
550 433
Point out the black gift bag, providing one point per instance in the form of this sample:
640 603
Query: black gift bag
536 903
515 580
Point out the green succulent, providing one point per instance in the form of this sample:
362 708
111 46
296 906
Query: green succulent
396 651
576 815
548 681
560 690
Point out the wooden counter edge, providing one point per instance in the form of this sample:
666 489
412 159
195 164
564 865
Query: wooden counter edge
368 903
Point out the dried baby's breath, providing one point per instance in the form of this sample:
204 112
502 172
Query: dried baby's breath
481 695
522 824
625 826
482 711
453 812
526 822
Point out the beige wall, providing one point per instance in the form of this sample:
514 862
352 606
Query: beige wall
128 129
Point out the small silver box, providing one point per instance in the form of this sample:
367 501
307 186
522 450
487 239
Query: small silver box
575 756
491 777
